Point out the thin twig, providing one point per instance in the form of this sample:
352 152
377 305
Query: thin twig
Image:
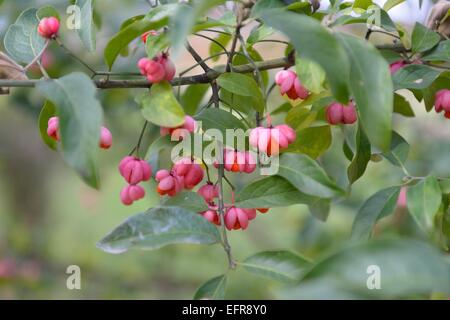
38 57
233 47
229 182
68 52
197 58
141 136
214 41
217 31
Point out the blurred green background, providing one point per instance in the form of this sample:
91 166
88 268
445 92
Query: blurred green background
49 219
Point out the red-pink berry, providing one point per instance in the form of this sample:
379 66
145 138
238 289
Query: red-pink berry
208 192
105 138
290 85
131 193
349 115
48 27
169 183
401 200
168 65
236 218
135 170
157 69
397 65
337 113
53 128
272 140
212 216
442 100
191 172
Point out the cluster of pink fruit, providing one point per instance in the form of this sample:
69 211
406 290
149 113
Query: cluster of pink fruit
290 85
185 174
159 68
271 140
134 171
336 113
53 132
235 218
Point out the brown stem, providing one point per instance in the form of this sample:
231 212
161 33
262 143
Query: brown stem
197 58
206 77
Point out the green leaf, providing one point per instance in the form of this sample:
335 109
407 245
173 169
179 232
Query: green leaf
87 30
22 41
244 86
192 97
429 93
241 59
188 200
312 41
159 144
423 202
47 11
263 6
236 102
362 4
415 76
159 106
157 18
215 118
402 106
271 192
391 3
378 206
283 108
80 118
423 39
399 150
313 141
258 34
214 48
404 36
213 289
159 227
47 111
409 269
307 176
300 118
440 53
320 209
311 74
361 159
283 266
371 85
156 44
